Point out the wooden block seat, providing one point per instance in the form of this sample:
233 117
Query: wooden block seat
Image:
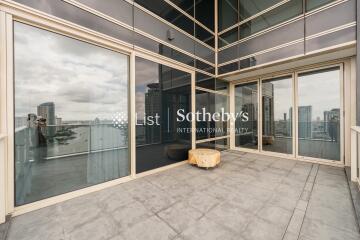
206 158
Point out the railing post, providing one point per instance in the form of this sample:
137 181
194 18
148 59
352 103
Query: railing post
354 154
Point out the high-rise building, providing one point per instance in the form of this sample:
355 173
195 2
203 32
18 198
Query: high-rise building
305 121
47 112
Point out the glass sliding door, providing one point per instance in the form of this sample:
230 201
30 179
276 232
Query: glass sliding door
246 110
163 101
319 114
71 108
277 114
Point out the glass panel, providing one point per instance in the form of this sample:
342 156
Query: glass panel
319 114
205 13
71 108
205 125
228 13
205 81
186 5
170 14
220 144
204 35
246 110
222 86
221 107
229 37
277 115
249 8
162 137
312 4
280 14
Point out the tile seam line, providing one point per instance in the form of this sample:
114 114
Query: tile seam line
307 178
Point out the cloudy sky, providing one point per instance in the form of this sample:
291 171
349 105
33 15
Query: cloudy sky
84 81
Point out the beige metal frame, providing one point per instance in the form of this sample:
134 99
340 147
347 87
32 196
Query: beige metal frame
292 78
233 136
10 12
294 73
341 79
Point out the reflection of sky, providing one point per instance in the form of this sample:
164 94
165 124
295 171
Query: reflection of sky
84 81
146 72
321 91
282 98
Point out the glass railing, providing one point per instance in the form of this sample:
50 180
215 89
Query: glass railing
56 141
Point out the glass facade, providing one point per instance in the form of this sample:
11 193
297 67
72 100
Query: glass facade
319 117
199 10
277 115
71 123
163 136
246 110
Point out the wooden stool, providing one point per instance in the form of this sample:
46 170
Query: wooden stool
206 158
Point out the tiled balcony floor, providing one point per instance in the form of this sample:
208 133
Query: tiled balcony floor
248 197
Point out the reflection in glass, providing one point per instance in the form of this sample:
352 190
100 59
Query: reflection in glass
71 108
319 114
312 4
249 8
162 138
280 14
220 144
205 103
246 110
228 12
277 115
229 37
205 13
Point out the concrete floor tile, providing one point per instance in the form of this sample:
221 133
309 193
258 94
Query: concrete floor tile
230 216
332 217
246 202
180 216
316 230
241 199
202 202
130 215
283 201
259 229
152 228
206 229
276 215
97 229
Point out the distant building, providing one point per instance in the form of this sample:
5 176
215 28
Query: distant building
305 126
328 115
153 107
47 111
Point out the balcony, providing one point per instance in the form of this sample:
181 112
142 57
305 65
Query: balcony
249 196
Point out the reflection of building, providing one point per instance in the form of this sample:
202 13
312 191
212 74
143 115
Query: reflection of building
58 123
152 107
329 116
305 113
47 111
268 109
